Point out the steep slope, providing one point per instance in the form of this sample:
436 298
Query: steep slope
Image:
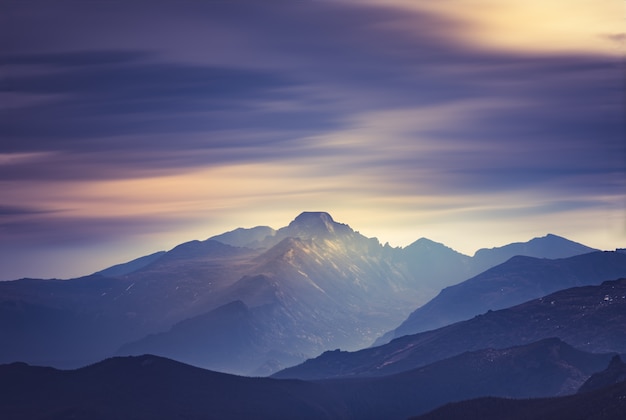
591 318
510 283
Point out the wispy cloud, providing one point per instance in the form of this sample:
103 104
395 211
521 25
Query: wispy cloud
124 118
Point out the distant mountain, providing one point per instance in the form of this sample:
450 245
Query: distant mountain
606 403
549 246
277 296
515 281
129 267
249 238
150 387
233 338
63 323
590 318
68 323
228 336
432 262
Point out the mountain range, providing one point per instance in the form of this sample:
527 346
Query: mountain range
590 318
532 322
519 279
249 301
150 387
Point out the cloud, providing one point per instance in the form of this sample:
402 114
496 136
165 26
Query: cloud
20 211
128 117
531 26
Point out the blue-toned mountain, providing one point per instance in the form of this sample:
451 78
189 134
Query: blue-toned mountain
604 400
590 318
278 296
515 281
150 387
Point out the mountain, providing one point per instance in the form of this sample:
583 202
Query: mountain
331 287
604 404
242 237
315 284
278 296
601 397
515 281
233 338
129 267
550 246
545 368
613 374
431 262
228 336
590 318
150 387
68 323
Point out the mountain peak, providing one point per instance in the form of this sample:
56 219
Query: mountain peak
314 217
311 224
548 246
428 244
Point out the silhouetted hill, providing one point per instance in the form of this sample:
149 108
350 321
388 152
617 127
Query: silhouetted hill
150 387
515 281
603 404
590 318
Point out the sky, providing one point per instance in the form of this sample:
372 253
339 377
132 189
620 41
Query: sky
128 127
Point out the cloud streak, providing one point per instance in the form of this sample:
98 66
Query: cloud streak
242 113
